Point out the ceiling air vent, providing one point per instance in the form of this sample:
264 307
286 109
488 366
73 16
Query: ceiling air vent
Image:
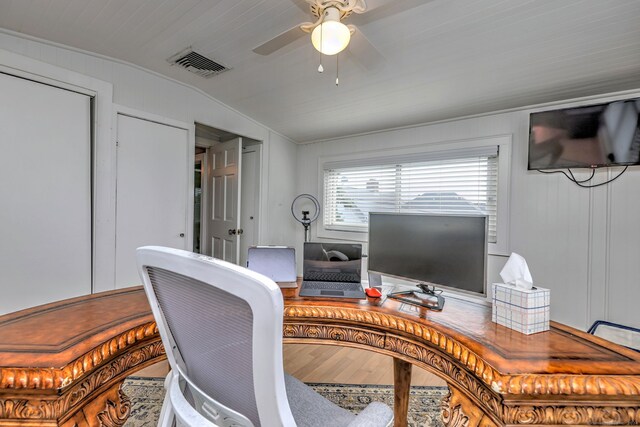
198 64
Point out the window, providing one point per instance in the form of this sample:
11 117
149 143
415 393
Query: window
461 181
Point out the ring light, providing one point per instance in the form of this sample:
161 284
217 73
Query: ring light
304 219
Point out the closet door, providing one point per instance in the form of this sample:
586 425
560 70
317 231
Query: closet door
151 203
45 194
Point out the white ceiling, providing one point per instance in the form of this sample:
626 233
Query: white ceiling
440 59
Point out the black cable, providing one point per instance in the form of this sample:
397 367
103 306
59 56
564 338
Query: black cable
573 178
429 289
603 183
552 172
581 183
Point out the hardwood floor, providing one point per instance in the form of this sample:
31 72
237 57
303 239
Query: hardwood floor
332 364
344 365
159 370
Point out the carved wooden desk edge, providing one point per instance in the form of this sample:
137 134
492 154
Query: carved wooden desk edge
87 389
479 393
60 393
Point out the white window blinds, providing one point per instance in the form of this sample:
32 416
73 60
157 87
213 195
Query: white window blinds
461 184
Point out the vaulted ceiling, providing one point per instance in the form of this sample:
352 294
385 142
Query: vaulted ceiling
439 59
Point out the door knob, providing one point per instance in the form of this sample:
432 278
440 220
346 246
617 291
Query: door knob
240 231
181 234
232 231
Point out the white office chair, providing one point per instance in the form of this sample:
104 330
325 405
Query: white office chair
221 326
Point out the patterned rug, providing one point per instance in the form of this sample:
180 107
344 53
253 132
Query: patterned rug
424 403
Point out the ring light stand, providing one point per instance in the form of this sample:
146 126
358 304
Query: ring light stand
305 220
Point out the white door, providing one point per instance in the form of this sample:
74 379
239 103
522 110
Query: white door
249 200
151 201
45 194
224 187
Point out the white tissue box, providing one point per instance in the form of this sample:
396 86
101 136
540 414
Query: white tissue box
523 310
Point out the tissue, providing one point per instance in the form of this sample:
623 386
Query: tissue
516 272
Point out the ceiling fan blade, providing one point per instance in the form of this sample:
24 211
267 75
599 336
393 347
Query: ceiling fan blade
378 9
280 41
364 52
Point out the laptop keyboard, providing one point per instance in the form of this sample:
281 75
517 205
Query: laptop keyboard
341 286
327 276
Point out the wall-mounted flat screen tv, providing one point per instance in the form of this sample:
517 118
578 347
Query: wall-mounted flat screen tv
441 250
586 137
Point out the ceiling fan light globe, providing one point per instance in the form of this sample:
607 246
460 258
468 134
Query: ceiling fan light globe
335 37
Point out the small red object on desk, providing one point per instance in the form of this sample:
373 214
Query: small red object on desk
372 292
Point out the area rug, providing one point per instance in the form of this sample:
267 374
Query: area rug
146 396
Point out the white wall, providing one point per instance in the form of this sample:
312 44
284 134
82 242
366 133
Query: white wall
279 226
140 89
583 244
118 83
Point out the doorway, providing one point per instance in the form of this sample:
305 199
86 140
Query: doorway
199 170
226 193
250 198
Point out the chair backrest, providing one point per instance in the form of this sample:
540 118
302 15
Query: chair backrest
222 326
619 334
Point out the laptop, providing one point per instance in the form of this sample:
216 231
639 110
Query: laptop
276 262
332 270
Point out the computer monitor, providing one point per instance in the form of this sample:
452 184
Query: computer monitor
448 251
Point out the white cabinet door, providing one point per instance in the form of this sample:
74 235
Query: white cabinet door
45 194
151 201
224 187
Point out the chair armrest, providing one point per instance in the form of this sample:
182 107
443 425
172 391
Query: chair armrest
376 414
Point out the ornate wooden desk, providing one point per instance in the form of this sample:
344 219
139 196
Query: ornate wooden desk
64 363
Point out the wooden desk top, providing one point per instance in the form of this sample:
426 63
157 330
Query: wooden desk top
51 345
56 335
562 360
64 363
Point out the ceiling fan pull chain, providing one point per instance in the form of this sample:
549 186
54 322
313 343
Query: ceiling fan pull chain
321 68
337 63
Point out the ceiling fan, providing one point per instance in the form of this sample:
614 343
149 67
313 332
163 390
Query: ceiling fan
330 35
